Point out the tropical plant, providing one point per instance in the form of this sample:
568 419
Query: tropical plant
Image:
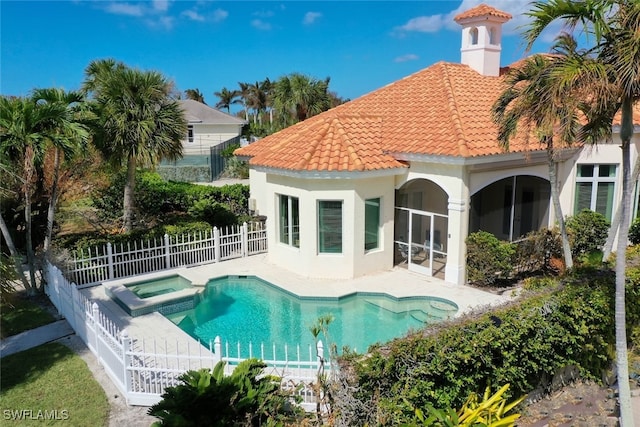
195 95
26 129
138 122
610 73
69 136
530 99
227 98
492 411
209 398
297 97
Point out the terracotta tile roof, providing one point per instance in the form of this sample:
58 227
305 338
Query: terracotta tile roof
328 143
482 10
442 110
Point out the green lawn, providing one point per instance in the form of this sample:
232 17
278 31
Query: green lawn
26 313
50 381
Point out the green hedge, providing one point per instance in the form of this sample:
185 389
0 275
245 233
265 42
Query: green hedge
520 344
155 196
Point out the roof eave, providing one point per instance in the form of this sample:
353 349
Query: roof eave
316 174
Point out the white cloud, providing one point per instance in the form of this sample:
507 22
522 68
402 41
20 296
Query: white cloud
433 23
261 25
423 24
125 9
193 15
310 17
407 57
161 5
220 15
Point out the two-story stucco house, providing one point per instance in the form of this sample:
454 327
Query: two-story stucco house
207 127
402 175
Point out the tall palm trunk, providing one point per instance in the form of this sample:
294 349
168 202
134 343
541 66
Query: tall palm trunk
557 208
129 188
53 200
17 259
626 132
615 223
31 258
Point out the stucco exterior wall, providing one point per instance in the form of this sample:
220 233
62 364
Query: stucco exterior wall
209 135
306 260
597 154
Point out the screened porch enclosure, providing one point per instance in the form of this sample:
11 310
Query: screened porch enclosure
421 227
511 207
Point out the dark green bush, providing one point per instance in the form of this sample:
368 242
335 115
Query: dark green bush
216 214
488 259
587 232
155 197
85 241
634 231
570 325
209 398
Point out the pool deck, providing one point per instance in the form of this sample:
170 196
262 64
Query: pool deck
397 282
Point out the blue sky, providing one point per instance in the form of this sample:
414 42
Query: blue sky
208 45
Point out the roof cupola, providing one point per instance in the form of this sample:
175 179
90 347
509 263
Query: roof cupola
481 38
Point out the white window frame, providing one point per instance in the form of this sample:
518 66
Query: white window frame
293 234
371 201
595 180
319 227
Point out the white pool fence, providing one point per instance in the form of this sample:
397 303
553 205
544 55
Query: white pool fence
142 369
112 261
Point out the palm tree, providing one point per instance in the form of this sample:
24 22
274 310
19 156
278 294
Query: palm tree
299 97
7 176
68 137
613 26
138 122
529 99
245 98
227 98
195 95
24 131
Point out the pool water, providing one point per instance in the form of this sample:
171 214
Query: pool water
155 287
248 309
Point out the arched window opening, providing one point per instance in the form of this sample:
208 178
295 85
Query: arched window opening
473 34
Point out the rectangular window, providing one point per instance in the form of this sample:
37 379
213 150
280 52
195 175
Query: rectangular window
289 221
371 224
190 133
595 188
330 226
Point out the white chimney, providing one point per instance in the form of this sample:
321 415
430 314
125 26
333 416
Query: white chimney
481 38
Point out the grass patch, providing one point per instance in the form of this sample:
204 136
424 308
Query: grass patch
51 378
22 314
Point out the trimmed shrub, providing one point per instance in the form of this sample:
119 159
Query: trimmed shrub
212 212
634 231
587 232
524 345
488 259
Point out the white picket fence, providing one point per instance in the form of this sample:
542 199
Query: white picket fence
111 261
142 369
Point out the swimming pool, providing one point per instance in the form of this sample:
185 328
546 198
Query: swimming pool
248 309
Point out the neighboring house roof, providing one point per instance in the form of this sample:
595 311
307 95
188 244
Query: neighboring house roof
197 112
442 110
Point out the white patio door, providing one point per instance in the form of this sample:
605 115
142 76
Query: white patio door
414 239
